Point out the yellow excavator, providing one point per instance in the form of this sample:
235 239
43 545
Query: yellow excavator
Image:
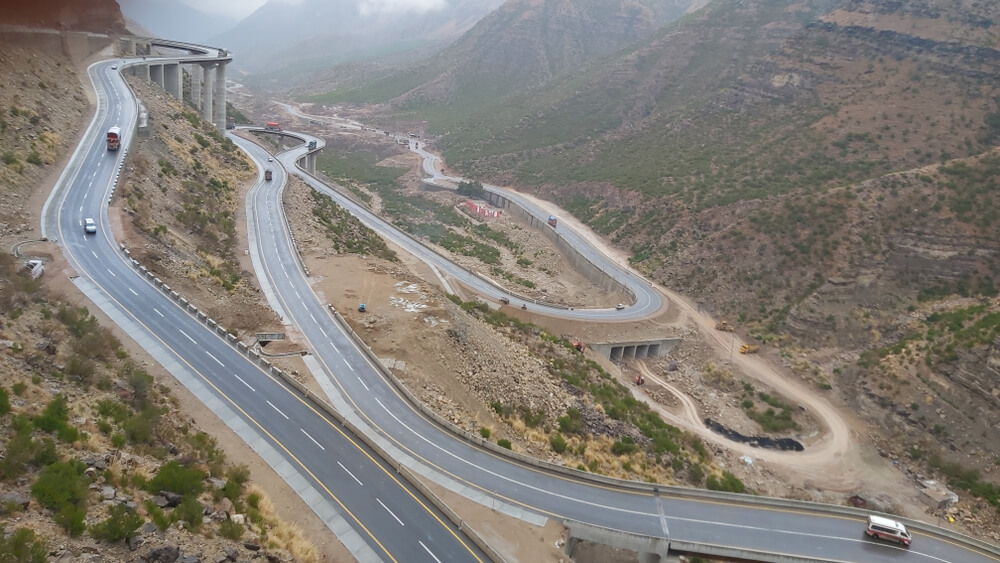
749 349
724 326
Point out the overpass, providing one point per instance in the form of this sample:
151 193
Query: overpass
205 67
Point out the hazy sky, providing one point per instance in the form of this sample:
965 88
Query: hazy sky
240 9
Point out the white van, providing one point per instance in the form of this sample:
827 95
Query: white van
886 529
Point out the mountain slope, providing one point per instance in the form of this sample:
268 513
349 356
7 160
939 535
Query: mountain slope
175 20
100 16
521 45
287 39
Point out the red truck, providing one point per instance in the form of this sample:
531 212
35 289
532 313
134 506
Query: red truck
272 126
114 138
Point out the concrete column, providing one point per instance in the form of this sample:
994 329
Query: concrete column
156 74
206 92
196 73
172 80
220 96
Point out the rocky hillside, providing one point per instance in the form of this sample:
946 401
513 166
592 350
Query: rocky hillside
179 205
34 132
102 16
99 463
822 173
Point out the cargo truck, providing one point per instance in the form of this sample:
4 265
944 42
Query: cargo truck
272 126
114 138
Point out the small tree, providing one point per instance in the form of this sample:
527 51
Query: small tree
119 526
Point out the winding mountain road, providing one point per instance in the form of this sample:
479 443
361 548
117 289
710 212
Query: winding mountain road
377 515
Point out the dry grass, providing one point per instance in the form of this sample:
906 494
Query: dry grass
284 535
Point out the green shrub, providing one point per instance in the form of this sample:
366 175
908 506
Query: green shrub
729 483
120 525
558 443
4 402
504 443
696 473
624 446
572 423
34 158
176 478
485 433
23 546
19 388
231 530
71 519
190 512
61 484
157 516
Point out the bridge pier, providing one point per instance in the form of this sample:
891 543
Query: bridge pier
207 91
172 80
220 96
156 74
197 73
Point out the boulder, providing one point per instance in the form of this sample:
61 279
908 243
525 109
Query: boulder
163 554
16 500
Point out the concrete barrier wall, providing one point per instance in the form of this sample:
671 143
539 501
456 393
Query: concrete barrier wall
588 269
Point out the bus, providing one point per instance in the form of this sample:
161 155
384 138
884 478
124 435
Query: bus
114 138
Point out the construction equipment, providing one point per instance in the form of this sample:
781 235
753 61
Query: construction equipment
749 349
724 326
362 308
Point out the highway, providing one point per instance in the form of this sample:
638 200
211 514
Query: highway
386 411
386 513
387 519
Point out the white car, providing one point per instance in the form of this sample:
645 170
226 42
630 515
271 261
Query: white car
270 159
114 67
89 226
620 306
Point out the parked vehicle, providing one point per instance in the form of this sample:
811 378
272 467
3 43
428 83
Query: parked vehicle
724 326
886 529
749 349
114 138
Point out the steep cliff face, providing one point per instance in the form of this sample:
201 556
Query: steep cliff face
102 16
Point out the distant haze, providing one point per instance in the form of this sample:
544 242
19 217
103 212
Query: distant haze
239 9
